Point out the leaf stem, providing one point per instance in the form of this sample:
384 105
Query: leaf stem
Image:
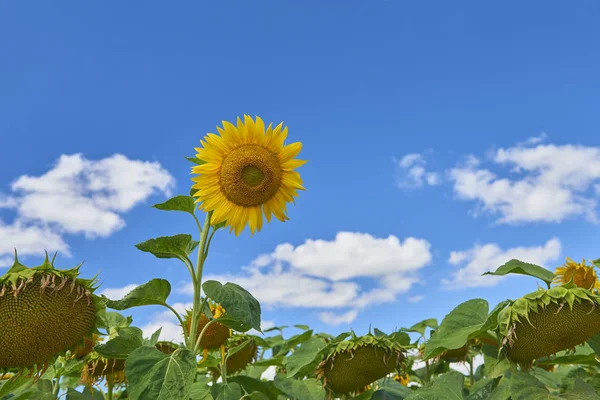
202 334
110 385
180 322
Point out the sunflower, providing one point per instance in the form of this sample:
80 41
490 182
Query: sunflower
245 172
583 276
404 379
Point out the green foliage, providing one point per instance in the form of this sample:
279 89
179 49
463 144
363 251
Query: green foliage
178 203
154 375
523 268
242 309
153 292
178 246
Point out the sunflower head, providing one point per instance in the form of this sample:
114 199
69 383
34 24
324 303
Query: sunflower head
216 334
98 368
246 171
582 275
547 321
44 312
348 366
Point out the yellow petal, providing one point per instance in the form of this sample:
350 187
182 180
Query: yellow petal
290 151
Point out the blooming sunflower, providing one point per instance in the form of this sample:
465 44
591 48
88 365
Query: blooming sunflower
247 171
583 275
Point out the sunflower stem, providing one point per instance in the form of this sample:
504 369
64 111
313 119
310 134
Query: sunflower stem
110 386
197 345
197 282
471 375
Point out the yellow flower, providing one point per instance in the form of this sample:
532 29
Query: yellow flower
402 379
247 171
583 276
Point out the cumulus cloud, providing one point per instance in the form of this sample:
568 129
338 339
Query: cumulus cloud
326 274
76 196
546 183
412 173
334 319
118 293
483 258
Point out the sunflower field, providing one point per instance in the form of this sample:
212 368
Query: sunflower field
58 339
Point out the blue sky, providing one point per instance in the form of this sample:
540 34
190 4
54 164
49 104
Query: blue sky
443 139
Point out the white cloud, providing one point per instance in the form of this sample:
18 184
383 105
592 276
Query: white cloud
415 299
322 274
549 184
171 330
82 196
412 173
334 319
118 293
489 257
352 255
463 367
29 241
269 373
75 196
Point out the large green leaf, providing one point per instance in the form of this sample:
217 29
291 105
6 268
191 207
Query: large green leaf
524 386
178 246
178 203
229 391
485 390
447 387
307 389
523 268
154 375
153 292
286 345
581 391
112 321
242 310
457 327
121 346
306 354
251 385
389 389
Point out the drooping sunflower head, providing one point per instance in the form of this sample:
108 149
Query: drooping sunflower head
216 334
43 313
545 322
166 347
242 358
83 349
246 171
582 275
98 368
348 366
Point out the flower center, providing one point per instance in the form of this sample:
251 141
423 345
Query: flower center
250 175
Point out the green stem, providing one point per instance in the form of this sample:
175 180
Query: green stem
197 345
197 281
56 387
180 322
471 374
110 385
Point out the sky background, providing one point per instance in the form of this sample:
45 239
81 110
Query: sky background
443 139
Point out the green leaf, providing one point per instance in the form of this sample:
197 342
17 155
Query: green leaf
229 391
14 385
154 375
154 292
251 385
178 203
178 246
596 262
420 327
154 338
594 343
581 391
306 354
307 389
242 310
457 327
121 346
200 391
448 386
484 392
523 268
195 160
275 328
524 386
303 327
73 394
390 390
292 342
